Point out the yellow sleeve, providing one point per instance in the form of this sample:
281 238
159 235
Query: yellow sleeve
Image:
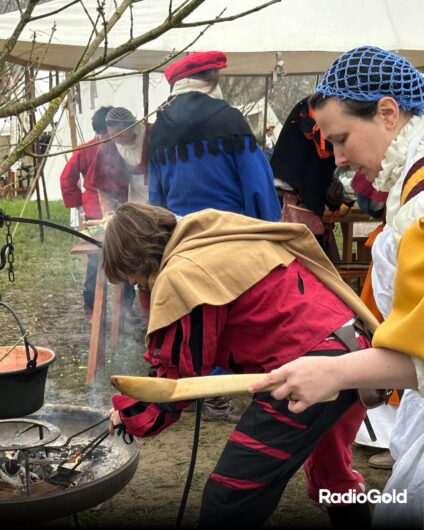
403 330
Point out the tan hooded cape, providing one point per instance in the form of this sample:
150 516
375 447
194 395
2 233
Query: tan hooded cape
213 257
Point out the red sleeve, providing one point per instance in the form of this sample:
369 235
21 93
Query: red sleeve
69 182
187 348
146 419
78 165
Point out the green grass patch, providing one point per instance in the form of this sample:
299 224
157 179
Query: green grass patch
46 265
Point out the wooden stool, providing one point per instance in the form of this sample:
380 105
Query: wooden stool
96 352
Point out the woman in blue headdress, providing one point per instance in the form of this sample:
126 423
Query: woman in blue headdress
370 106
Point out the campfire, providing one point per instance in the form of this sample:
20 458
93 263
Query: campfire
21 474
28 468
60 462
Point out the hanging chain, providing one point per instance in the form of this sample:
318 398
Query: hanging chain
10 254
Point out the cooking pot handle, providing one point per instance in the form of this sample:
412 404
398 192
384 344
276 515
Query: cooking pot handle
31 363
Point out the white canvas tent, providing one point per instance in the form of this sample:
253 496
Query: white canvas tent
305 34
301 36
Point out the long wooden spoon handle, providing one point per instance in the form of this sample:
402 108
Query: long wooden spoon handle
160 390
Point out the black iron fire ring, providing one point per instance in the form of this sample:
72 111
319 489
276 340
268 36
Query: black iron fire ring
48 433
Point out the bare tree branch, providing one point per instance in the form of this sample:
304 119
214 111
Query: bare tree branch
228 19
89 66
100 36
40 61
157 66
94 24
90 63
10 44
32 136
50 13
93 32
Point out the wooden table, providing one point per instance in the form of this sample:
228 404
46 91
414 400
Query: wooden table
96 352
355 227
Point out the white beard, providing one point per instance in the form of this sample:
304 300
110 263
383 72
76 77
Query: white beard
132 153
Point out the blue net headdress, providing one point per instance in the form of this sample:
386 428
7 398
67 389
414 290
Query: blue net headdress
369 73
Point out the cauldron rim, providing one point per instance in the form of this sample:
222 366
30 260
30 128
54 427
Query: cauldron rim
39 366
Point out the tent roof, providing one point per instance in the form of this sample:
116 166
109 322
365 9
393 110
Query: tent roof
309 34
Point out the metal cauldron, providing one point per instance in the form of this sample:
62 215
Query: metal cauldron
23 373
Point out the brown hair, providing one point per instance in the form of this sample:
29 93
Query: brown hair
361 109
135 240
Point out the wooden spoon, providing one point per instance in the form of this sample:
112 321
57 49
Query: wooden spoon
160 390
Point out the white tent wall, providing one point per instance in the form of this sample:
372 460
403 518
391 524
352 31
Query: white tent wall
305 34
118 92
4 138
255 115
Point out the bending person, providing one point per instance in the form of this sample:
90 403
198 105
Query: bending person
232 291
120 175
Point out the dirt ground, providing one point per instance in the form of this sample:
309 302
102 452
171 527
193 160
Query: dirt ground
152 498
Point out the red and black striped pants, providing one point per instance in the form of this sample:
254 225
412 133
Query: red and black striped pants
269 445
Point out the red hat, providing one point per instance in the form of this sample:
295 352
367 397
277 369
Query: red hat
194 63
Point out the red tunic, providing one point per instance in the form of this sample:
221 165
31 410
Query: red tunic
81 164
285 315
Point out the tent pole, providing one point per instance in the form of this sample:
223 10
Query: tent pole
46 199
146 93
72 122
267 90
30 92
70 104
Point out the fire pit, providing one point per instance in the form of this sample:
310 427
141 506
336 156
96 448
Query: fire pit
51 466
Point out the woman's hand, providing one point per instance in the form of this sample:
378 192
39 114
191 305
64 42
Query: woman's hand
114 419
304 382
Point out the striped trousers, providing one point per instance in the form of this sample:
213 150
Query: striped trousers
269 445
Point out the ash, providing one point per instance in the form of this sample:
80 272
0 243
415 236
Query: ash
46 464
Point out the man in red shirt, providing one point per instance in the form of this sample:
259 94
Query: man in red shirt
78 192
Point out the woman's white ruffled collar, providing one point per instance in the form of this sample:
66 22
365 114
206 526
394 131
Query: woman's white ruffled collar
394 159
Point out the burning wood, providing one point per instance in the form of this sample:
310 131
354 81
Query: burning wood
24 467
45 465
